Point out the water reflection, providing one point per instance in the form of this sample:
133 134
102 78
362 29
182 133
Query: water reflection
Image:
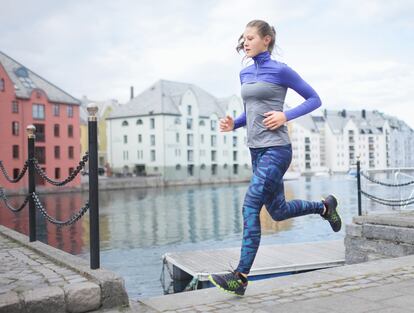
138 226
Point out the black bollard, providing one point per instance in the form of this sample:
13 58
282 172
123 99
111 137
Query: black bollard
359 187
93 187
31 130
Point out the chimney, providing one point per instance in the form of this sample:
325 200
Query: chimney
363 113
132 92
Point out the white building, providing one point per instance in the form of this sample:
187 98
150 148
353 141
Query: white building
171 129
379 140
308 155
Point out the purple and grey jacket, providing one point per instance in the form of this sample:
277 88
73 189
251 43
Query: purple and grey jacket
263 88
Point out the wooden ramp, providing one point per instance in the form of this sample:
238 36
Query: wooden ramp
270 259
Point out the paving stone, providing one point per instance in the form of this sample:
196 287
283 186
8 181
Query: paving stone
44 300
82 297
10 303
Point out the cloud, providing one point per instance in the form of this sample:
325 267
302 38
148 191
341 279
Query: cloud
355 54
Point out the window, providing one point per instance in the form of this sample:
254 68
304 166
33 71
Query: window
152 140
213 156
15 128
139 122
152 155
201 123
125 123
234 141
152 123
2 87
178 167
70 152
213 124
70 171
15 107
70 131
189 123
224 139
190 156
235 169
177 137
234 156
57 152
190 140
15 151
56 130
202 138
40 132
190 170
57 172
177 121
214 169
126 156
125 139
139 138
38 111
188 109
40 154
213 140
56 110
70 111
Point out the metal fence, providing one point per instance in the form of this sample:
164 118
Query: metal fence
31 166
402 202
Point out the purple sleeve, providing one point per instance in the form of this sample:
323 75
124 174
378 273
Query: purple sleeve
240 121
312 101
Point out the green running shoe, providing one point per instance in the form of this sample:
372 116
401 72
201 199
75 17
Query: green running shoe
331 214
232 282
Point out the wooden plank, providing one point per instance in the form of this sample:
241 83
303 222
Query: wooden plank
270 259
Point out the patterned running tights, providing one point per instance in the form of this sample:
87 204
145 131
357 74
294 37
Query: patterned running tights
266 188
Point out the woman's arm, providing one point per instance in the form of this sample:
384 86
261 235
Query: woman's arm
312 101
240 121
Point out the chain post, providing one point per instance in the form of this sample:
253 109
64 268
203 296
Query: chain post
93 186
359 186
31 137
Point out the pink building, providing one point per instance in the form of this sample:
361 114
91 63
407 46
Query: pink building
26 98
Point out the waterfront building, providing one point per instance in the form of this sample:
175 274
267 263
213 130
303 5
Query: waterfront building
172 129
27 98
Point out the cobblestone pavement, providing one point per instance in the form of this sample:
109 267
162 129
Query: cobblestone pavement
22 269
383 291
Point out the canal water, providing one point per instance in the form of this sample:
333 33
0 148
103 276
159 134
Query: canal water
137 226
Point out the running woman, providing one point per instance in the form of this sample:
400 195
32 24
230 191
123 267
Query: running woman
263 88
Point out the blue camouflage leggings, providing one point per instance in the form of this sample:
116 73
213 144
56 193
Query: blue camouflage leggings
266 188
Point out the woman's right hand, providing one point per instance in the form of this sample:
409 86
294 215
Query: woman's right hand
226 124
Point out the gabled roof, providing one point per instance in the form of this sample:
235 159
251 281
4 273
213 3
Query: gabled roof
164 97
26 80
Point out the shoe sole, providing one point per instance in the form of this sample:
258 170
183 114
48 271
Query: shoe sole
337 210
210 278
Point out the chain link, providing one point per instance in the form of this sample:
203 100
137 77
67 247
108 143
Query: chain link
393 202
6 202
19 177
74 218
67 180
385 184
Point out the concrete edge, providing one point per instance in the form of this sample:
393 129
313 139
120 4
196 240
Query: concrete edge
113 293
333 274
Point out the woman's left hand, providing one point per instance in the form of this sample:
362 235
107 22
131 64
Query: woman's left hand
274 119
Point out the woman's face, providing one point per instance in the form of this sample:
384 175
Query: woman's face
253 44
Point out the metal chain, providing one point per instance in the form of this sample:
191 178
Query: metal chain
19 177
67 180
386 184
5 200
389 202
74 218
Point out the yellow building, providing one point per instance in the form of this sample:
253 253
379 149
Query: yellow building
104 109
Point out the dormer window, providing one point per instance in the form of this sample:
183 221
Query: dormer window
125 123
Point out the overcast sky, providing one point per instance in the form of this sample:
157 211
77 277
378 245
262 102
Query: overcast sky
356 54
